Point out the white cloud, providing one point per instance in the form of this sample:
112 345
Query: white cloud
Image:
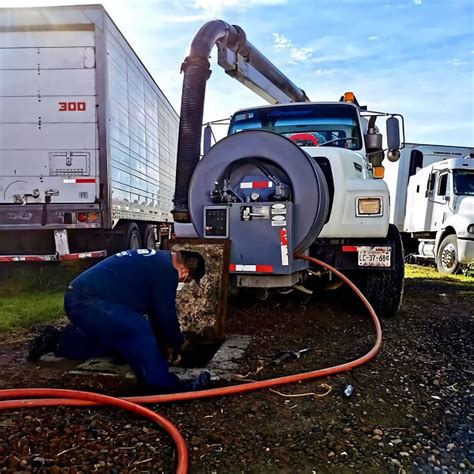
301 54
373 38
280 41
186 18
325 72
296 54
456 62
214 8
418 2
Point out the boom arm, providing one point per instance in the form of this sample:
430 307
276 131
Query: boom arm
241 60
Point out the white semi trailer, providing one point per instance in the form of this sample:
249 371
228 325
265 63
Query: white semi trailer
87 138
432 193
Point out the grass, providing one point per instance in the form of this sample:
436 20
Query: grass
30 308
430 273
33 294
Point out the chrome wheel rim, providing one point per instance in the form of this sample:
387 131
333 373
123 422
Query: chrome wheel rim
448 257
150 244
134 242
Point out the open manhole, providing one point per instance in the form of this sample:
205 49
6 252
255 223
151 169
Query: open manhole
221 359
198 354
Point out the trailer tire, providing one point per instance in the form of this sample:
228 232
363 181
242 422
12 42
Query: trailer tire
384 288
447 256
148 236
126 237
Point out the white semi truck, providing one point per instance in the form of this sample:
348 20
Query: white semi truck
432 193
87 138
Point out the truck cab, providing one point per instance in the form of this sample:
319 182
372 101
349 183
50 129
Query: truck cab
440 212
332 133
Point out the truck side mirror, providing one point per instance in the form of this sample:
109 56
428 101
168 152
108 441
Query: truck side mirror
393 133
207 139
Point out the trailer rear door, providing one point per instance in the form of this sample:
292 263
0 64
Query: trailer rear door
48 119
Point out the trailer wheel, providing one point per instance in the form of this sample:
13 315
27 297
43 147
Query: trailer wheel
447 256
384 288
148 236
126 237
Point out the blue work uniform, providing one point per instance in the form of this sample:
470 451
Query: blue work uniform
126 306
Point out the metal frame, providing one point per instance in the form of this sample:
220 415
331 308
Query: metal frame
221 310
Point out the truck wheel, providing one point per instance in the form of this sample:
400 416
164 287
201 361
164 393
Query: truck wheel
148 236
384 288
133 237
127 237
447 257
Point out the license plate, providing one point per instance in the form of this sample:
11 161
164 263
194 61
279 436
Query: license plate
374 256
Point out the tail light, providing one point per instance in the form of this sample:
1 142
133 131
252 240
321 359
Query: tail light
90 217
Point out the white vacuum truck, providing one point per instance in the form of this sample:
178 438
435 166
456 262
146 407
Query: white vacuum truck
293 177
432 188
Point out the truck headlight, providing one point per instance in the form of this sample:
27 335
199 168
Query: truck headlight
470 229
369 207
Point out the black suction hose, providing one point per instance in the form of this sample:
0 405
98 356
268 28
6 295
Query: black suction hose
196 69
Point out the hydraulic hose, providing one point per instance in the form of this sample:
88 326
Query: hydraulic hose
16 398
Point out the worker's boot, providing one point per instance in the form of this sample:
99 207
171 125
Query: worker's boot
43 343
201 382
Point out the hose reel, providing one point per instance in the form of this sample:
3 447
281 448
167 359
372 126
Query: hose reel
309 192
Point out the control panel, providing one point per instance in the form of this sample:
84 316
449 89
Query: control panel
216 222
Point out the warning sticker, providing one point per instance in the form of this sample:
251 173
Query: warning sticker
261 212
278 208
278 220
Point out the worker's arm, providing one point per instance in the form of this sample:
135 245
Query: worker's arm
163 316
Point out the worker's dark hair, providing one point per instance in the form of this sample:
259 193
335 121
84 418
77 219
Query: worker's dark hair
195 263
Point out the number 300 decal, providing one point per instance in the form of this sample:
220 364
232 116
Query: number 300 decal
72 106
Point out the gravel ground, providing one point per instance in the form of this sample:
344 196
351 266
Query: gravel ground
411 410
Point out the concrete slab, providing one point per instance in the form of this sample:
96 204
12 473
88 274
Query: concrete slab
222 366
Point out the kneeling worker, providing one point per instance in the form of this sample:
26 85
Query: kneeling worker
106 306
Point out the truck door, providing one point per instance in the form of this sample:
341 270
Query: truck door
441 200
48 124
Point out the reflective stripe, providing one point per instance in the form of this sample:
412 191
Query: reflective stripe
350 248
78 180
28 258
256 184
83 255
53 258
251 268
284 247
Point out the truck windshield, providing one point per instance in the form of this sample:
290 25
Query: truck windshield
306 125
464 182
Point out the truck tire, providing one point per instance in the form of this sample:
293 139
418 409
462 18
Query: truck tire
148 236
447 256
126 237
384 288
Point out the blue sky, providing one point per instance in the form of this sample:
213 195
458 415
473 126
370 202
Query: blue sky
414 57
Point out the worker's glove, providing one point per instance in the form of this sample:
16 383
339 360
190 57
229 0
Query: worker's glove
173 356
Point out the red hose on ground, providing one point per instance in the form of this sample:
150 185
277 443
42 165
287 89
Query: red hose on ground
77 398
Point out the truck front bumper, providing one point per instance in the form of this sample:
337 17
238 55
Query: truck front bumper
465 251
344 255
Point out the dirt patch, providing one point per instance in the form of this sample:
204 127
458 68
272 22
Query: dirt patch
409 411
